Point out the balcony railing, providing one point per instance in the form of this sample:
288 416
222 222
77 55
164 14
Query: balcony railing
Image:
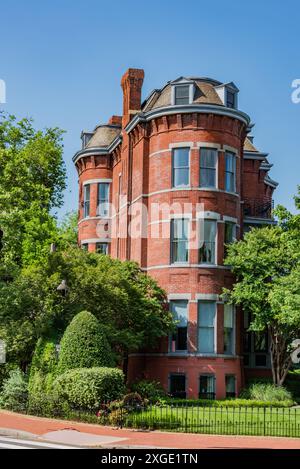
260 208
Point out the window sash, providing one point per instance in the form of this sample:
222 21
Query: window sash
86 201
230 385
207 386
207 250
230 99
182 94
179 240
103 199
208 167
206 326
180 167
177 385
230 172
228 329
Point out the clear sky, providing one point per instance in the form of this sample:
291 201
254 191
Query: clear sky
62 61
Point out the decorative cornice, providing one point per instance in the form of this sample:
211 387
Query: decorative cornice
188 109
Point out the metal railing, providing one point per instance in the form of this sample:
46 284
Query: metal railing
192 417
261 208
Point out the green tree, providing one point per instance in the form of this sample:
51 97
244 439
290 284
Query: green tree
32 180
84 345
130 305
266 264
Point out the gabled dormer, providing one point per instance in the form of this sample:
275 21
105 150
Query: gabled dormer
182 91
228 93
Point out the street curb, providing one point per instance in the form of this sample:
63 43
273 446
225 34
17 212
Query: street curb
13 433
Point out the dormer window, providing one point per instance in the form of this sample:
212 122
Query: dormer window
182 94
228 93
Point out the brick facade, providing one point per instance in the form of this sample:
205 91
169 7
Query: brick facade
133 154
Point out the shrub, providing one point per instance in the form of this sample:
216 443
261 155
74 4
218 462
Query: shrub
267 392
87 388
151 390
223 403
15 391
84 345
132 400
42 374
117 417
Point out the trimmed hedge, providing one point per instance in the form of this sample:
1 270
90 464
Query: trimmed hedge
87 388
223 403
84 345
42 373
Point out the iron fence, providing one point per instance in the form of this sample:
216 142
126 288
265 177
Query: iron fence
190 418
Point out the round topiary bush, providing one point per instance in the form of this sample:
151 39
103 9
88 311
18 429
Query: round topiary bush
87 388
84 345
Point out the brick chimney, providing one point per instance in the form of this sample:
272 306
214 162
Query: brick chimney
115 120
132 82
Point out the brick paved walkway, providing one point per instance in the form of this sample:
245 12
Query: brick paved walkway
40 426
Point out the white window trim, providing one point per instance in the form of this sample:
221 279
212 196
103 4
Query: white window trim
235 178
215 328
96 181
95 240
217 167
103 217
172 168
177 217
191 92
179 296
233 332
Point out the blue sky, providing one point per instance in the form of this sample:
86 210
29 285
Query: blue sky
62 62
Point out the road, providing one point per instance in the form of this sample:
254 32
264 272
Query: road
15 443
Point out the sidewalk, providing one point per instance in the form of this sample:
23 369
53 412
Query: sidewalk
97 435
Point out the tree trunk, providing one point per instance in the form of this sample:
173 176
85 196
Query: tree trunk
125 367
280 356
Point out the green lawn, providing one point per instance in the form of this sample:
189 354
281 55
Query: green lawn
224 421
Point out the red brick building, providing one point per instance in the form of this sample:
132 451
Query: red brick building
168 184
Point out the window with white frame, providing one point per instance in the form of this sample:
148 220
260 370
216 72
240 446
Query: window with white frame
179 240
103 199
230 171
228 329
178 340
182 94
206 326
180 167
86 201
208 234
208 167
